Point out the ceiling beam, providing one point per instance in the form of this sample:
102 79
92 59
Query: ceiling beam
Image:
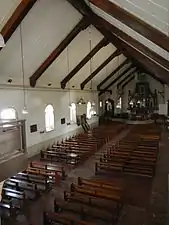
156 78
133 22
100 45
113 73
142 68
136 44
128 81
118 77
15 20
95 72
83 24
132 52
122 81
105 28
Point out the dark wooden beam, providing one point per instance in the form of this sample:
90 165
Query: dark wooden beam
128 81
100 45
136 44
143 69
113 73
131 52
133 22
16 18
122 81
83 24
94 73
118 77
105 28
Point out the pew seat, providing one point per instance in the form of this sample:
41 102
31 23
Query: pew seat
62 219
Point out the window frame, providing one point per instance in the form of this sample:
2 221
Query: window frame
89 111
48 126
72 120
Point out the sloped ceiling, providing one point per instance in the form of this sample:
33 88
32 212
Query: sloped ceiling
6 10
46 26
43 29
154 12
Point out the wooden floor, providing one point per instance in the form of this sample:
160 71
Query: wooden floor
146 199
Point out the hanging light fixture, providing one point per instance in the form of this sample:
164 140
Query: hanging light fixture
2 42
24 110
91 69
68 65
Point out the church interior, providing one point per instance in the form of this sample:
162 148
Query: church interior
84 112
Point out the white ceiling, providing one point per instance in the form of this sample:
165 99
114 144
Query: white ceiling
131 32
7 7
154 12
45 26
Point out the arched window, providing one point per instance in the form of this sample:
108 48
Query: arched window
101 104
73 113
49 118
89 108
8 114
119 103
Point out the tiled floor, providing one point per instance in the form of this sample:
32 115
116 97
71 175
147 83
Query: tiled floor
145 200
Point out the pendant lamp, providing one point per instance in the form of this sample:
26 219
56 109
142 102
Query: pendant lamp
24 110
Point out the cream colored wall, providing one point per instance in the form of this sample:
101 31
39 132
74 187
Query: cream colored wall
36 100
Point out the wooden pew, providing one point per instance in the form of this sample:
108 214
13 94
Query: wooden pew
108 167
39 180
99 184
7 207
89 211
97 192
60 157
49 167
21 185
90 198
50 217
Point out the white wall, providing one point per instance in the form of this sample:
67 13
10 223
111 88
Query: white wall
37 99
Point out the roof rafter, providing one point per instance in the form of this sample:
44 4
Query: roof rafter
127 82
130 68
122 81
113 73
144 69
105 28
138 45
83 24
150 65
14 21
100 45
95 72
133 22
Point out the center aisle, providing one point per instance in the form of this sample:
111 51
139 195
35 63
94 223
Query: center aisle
34 214
121 172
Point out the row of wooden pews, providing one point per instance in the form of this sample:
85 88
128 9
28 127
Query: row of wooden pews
41 175
29 184
90 201
77 149
134 154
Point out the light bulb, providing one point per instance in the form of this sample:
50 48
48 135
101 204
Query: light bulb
24 110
